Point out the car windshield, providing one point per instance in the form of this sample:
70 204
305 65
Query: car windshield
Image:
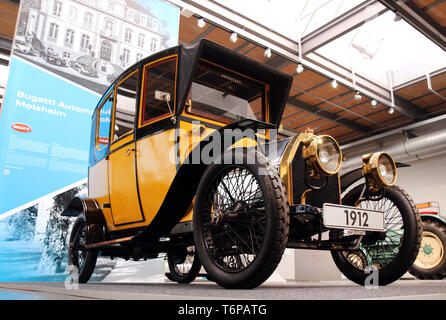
226 96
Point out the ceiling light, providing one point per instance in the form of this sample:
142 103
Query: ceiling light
300 68
334 84
358 96
201 23
397 17
233 37
374 103
391 111
186 13
267 53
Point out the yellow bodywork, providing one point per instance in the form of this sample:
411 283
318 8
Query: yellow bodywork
155 170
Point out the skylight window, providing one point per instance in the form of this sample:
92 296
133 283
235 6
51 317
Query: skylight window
385 45
291 18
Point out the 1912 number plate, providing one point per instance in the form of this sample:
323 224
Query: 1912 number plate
352 218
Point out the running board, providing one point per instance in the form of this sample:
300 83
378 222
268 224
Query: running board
105 243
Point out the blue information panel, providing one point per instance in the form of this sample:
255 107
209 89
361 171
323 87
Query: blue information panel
65 55
44 134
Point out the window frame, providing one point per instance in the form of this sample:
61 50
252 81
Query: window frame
265 100
143 87
69 35
57 8
98 121
138 86
53 31
128 35
85 41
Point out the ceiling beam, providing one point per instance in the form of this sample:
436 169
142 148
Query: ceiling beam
327 115
434 4
341 25
419 19
402 106
12 2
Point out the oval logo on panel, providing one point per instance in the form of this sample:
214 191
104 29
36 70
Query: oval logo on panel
20 127
103 140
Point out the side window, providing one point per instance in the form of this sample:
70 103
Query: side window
103 130
125 105
159 91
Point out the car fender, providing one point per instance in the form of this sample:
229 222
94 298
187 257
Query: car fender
179 198
433 217
94 218
350 178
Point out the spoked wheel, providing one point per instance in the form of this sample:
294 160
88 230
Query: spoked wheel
184 266
241 223
391 252
84 260
431 260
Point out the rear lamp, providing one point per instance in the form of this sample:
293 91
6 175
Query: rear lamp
323 154
380 169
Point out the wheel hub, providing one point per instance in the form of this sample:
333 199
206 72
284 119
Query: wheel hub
431 253
219 216
427 249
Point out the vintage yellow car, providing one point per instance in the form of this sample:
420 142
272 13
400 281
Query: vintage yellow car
185 161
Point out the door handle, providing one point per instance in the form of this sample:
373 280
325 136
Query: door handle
197 131
129 150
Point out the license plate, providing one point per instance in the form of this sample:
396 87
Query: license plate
352 218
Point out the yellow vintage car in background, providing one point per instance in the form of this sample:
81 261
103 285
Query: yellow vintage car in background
184 160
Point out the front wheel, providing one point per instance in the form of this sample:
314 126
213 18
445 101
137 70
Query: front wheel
84 260
390 253
241 221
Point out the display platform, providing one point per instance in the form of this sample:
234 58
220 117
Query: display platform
205 290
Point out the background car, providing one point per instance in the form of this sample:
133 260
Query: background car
431 260
51 56
85 65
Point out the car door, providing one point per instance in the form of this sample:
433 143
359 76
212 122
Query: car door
155 159
125 206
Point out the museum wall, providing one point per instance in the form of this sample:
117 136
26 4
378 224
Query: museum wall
424 181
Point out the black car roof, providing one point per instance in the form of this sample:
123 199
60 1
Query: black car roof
189 55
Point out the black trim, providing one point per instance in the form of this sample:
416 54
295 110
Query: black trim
137 112
119 148
182 228
154 128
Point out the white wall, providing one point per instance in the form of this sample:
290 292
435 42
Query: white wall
425 181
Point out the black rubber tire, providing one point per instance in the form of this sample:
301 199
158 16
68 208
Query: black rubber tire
439 271
408 248
86 270
188 277
277 221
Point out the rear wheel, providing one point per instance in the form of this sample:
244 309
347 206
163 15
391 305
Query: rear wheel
431 259
84 260
391 252
184 266
241 222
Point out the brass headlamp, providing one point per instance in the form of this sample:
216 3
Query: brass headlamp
380 169
323 155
